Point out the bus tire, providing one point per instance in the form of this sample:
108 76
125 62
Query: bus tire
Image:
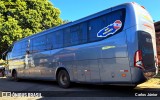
63 79
2 73
14 76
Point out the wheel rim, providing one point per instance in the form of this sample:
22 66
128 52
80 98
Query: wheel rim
63 79
15 76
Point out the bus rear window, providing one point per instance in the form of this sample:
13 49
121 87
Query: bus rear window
145 44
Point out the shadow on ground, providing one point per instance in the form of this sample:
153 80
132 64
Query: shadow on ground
89 90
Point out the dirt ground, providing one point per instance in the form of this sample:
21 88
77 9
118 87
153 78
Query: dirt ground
152 83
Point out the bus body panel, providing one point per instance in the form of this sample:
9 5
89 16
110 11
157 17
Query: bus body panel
114 60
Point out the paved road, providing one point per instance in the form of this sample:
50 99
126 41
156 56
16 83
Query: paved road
51 89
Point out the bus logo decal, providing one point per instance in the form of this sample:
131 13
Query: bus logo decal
110 29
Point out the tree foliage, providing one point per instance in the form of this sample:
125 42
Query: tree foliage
66 21
21 18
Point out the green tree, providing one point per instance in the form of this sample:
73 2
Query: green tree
66 21
21 18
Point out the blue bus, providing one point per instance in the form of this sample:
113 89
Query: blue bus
116 46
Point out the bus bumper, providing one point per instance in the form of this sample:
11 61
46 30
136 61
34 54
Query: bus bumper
139 76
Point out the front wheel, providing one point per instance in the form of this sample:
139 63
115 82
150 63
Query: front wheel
14 76
3 73
63 79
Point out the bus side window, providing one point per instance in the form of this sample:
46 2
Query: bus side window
117 15
50 40
67 37
7 53
95 25
75 35
83 32
10 49
31 45
113 16
59 39
24 47
39 43
55 40
17 49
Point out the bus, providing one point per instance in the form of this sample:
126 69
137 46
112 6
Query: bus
116 46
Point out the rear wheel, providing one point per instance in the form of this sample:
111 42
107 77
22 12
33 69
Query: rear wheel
63 79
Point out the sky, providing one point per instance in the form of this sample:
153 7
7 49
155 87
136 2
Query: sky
75 9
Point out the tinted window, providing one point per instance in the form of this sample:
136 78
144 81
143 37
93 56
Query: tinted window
39 44
24 47
67 37
55 40
50 40
83 32
94 26
145 44
10 48
116 15
75 35
101 24
31 45
17 49
59 39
